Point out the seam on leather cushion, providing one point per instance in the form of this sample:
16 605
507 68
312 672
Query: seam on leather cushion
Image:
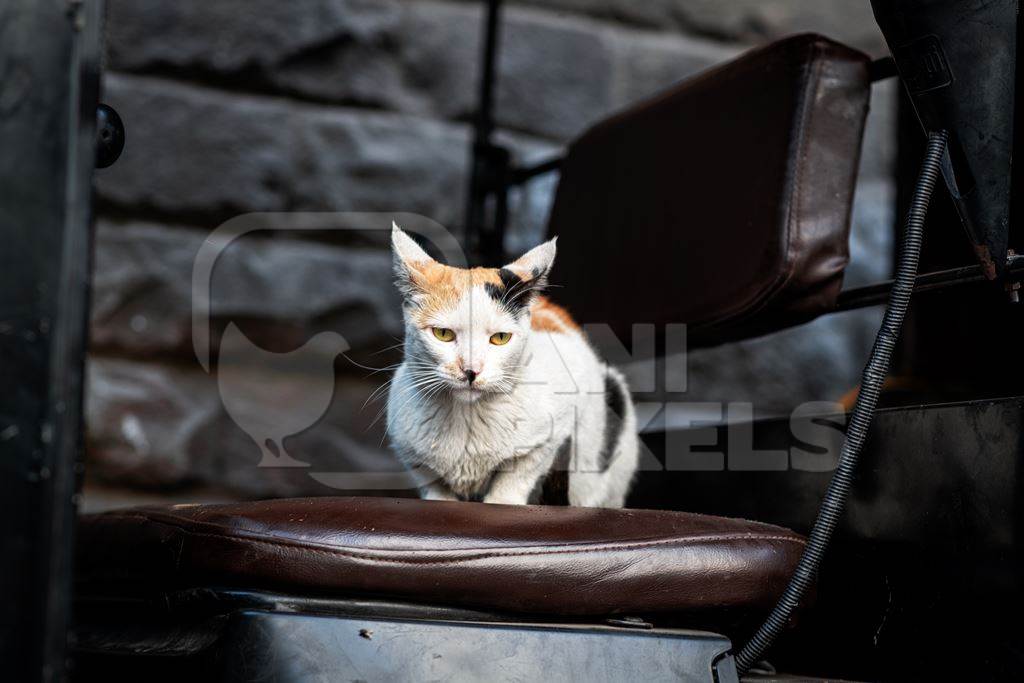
470 555
165 515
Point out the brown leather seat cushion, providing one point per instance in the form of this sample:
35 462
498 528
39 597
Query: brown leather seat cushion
516 558
723 203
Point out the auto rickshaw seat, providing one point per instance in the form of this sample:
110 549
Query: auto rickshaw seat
528 559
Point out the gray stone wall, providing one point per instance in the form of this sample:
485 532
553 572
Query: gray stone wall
234 106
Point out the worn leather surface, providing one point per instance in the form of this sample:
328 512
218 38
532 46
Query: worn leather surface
724 203
533 559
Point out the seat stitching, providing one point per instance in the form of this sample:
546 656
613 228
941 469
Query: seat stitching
304 546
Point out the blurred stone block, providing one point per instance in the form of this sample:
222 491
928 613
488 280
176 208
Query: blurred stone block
878 156
207 154
557 73
279 291
235 35
162 426
746 21
202 156
871 233
650 62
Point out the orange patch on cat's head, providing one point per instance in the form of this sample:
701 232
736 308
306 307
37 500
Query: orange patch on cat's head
440 287
430 287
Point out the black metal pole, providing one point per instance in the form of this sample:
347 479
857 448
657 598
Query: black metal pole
484 122
49 54
484 230
520 175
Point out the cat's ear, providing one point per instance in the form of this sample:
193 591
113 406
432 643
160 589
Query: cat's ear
410 261
534 266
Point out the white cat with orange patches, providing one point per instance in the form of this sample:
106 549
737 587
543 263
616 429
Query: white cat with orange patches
500 397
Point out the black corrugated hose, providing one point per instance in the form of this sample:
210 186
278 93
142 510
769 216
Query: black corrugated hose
834 502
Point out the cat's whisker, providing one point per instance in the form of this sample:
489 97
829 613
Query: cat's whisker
366 367
374 371
402 407
433 391
388 348
386 369
377 392
424 382
414 392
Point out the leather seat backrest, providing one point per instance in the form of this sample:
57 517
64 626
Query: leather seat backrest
723 203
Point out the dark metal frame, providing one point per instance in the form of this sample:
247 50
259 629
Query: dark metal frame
50 62
874 295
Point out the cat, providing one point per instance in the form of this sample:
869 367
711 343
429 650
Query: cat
500 398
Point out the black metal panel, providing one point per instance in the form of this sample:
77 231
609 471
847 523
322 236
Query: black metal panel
926 577
48 96
262 646
190 622
487 196
957 59
245 635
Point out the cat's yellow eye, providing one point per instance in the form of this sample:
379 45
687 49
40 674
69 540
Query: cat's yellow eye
500 338
443 333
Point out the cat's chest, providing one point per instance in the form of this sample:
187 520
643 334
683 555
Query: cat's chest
488 433
469 445
467 441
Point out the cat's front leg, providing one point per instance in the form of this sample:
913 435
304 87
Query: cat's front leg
515 482
430 484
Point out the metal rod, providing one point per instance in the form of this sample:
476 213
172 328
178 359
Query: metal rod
488 75
873 295
521 175
46 172
481 171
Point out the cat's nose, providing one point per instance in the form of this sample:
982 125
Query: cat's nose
470 375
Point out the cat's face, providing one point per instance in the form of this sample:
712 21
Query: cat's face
466 329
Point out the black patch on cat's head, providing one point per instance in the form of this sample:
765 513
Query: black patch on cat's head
509 280
494 291
514 293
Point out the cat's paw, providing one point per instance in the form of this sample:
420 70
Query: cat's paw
437 494
504 499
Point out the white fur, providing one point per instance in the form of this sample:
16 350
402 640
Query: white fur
533 393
